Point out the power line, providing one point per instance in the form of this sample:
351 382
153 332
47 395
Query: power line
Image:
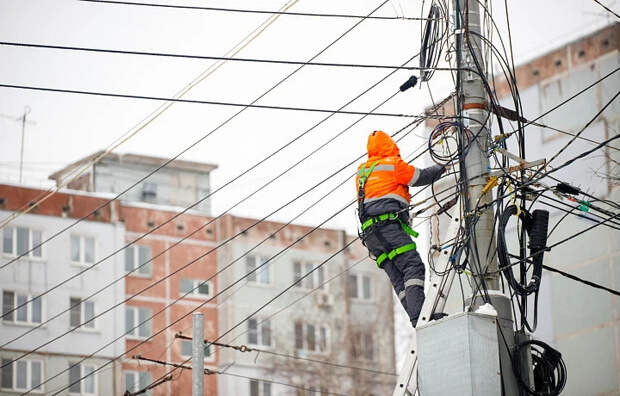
305 14
207 102
205 302
220 372
207 135
215 191
218 58
245 348
266 24
79 170
192 310
187 265
585 282
607 8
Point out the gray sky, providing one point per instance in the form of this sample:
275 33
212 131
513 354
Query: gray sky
69 127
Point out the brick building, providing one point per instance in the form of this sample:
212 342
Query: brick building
349 320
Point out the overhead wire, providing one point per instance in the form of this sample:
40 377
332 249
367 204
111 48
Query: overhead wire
165 163
207 102
245 348
221 372
249 11
213 192
220 292
79 170
221 58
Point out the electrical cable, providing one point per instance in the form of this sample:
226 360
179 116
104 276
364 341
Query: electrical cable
219 58
245 348
585 282
607 8
306 14
187 264
197 142
212 372
200 78
256 269
78 170
235 205
207 102
228 287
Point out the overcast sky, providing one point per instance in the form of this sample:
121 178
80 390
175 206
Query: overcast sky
69 127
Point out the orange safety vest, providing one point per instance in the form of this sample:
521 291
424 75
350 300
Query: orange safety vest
391 175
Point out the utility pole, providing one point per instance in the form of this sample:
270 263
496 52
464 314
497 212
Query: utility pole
473 108
198 354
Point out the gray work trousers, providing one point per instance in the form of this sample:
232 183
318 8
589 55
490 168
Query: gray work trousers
406 270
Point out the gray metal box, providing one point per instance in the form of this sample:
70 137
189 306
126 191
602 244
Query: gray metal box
459 356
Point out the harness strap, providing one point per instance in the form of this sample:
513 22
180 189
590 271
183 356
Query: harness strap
395 252
361 193
389 217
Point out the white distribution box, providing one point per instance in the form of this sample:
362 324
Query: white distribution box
459 356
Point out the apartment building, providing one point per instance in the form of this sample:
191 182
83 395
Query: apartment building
340 313
170 264
57 364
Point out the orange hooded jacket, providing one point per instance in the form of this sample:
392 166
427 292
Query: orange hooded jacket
391 175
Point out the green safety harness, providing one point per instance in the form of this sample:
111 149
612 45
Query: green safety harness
367 226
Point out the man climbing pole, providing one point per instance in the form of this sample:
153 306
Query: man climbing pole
383 207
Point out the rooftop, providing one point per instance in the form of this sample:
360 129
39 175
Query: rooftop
136 159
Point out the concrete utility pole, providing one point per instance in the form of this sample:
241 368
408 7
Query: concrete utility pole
198 354
474 108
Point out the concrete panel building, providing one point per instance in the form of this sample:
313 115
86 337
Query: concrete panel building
170 271
45 267
180 183
346 321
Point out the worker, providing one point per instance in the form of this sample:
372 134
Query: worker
383 207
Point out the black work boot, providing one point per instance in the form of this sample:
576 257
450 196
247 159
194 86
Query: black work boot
438 315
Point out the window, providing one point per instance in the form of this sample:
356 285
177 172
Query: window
311 338
195 287
259 332
312 391
360 287
22 375
15 309
82 312
260 275
149 192
137 380
260 388
313 280
186 350
362 346
135 256
134 317
82 379
19 240
82 249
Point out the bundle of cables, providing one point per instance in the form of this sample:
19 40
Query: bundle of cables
536 225
549 369
430 51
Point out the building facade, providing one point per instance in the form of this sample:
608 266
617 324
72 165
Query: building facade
180 183
340 313
44 267
171 264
